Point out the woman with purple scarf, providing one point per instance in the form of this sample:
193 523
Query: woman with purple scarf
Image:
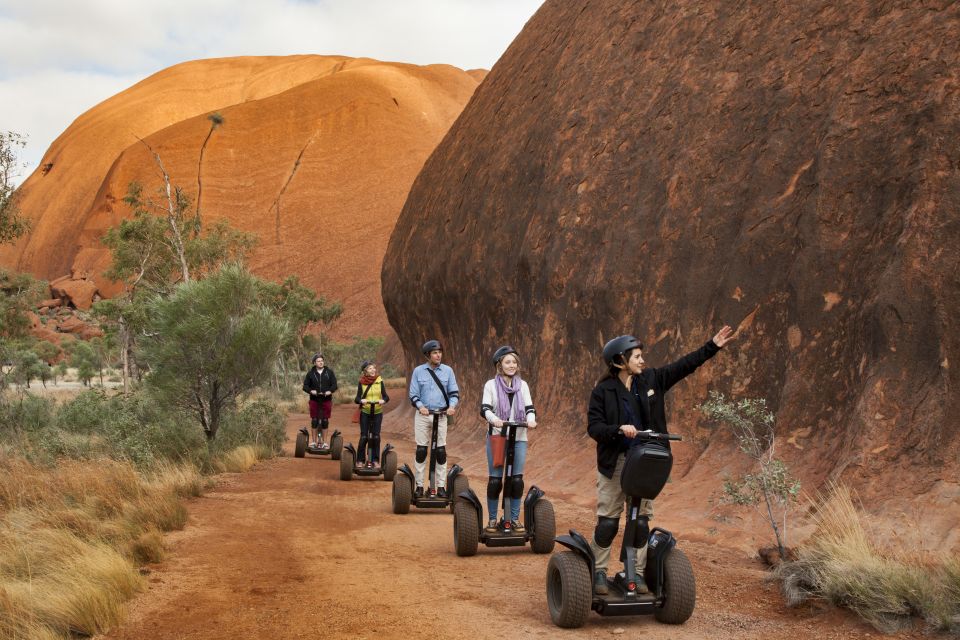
507 398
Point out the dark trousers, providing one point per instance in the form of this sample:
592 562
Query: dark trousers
369 436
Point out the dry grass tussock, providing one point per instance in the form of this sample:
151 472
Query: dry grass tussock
241 459
846 565
71 537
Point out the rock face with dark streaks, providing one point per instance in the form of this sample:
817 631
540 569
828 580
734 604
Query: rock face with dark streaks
664 168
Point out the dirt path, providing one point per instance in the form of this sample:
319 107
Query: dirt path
289 551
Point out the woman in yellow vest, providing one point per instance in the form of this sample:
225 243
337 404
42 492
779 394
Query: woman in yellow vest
371 396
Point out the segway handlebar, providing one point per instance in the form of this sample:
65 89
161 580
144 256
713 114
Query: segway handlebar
438 412
656 435
511 423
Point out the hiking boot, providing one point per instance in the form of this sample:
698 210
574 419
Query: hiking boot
418 492
516 526
442 493
642 585
600 582
491 526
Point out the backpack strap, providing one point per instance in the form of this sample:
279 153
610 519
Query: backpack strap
446 398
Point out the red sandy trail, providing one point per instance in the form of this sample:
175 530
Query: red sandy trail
290 551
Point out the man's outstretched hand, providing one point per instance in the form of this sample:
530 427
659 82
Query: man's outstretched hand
723 336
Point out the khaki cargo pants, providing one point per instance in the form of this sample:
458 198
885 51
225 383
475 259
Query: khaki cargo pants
611 502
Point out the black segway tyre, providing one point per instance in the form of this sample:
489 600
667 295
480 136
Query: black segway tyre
346 465
389 466
466 532
679 589
545 527
569 589
301 448
402 494
460 484
336 446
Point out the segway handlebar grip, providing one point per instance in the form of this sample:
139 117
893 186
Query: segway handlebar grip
656 435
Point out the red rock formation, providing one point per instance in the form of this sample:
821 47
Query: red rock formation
315 156
666 167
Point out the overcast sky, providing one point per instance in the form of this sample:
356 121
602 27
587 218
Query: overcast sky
58 58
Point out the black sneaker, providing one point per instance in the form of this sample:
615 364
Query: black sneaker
442 493
418 492
600 582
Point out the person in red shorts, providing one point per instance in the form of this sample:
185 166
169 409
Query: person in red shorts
320 383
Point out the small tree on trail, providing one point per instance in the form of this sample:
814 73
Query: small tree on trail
211 341
151 254
771 489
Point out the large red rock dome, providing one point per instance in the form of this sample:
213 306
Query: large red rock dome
315 156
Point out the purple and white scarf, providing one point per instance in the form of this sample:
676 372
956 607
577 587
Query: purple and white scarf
504 407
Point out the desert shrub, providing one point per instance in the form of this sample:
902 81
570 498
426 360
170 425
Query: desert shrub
847 566
259 424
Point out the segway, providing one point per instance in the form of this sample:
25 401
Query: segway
303 447
404 482
387 468
668 573
539 522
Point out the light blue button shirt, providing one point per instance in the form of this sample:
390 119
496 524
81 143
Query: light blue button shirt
424 391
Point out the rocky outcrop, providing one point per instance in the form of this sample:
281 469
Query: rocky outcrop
76 290
315 156
663 168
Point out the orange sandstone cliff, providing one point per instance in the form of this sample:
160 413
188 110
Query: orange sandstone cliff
315 156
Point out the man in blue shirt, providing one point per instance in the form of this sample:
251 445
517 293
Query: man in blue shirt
433 387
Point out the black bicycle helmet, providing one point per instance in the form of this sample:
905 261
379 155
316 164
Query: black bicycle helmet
618 346
502 353
431 345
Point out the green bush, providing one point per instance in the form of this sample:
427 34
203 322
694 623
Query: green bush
259 423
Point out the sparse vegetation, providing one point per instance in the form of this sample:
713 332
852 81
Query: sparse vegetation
771 488
847 566
71 536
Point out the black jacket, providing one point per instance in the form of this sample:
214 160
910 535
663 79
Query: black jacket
604 417
320 382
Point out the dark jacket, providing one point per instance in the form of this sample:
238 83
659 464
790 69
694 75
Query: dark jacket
320 382
605 415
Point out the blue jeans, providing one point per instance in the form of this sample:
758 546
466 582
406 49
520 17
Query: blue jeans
519 460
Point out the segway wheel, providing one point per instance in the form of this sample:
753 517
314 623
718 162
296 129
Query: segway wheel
336 446
544 527
569 589
402 494
679 589
301 448
460 484
346 465
466 531
390 465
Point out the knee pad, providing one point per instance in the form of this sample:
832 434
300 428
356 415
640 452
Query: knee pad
421 453
494 484
643 531
324 423
516 487
314 423
441 455
606 531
